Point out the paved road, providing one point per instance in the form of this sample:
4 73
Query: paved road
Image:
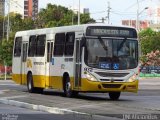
8 112
91 105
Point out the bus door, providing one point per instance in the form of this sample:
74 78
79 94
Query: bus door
23 63
49 62
77 73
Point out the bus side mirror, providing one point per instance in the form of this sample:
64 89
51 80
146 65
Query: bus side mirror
83 42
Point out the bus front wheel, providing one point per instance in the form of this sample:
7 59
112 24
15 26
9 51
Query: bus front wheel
114 95
67 90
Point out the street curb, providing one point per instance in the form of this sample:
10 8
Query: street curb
42 108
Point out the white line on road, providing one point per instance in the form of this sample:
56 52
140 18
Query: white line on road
150 83
13 97
10 84
5 100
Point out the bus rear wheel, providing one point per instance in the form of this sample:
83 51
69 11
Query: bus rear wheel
67 89
114 95
30 87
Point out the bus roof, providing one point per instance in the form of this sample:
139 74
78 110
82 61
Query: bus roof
65 29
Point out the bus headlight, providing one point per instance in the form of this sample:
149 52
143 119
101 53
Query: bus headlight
90 77
133 78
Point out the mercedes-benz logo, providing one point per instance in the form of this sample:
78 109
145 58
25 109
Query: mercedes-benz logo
112 80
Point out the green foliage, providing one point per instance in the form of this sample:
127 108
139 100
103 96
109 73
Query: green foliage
6 48
150 41
54 16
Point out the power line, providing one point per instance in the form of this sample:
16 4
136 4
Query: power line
98 12
133 5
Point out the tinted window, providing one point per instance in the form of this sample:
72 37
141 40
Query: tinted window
32 46
40 46
49 51
59 44
17 48
69 45
25 46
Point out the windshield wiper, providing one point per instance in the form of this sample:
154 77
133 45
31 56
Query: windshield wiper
102 43
122 43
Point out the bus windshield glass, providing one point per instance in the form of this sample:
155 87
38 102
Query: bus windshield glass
111 54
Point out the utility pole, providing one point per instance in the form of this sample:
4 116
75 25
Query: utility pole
137 21
4 22
108 12
8 21
79 12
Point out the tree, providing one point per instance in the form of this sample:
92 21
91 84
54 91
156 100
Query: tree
6 48
150 46
1 28
54 16
149 40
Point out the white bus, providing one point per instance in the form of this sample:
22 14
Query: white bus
81 58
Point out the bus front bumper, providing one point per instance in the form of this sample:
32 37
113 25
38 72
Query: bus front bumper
91 86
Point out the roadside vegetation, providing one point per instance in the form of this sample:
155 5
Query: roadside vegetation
150 46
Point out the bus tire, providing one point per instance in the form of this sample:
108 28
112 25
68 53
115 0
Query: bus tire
114 95
30 87
67 89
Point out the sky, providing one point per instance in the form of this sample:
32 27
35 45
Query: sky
120 9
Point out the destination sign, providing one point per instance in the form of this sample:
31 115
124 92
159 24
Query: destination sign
111 31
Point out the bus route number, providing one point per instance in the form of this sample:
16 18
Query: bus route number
88 69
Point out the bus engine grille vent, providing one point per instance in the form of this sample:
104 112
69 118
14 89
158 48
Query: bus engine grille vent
104 74
111 85
109 80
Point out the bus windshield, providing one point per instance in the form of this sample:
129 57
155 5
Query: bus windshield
111 54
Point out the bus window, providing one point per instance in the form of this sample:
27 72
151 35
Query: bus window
69 45
59 44
25 46
32 46
40 46
17 48
49 51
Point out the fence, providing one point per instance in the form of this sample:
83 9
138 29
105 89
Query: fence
8 72
150 71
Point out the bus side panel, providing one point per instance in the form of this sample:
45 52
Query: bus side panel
24 79
56 82
16 71
37 68
39 81
16 78
55 72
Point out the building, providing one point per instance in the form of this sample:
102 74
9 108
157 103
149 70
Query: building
2 13
154 15
30 8
2 7
143 24
86 10
27 8
17 6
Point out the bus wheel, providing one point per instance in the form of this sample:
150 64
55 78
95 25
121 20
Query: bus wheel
67 90
30 83
114 95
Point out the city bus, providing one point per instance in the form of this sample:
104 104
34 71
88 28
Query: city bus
80 58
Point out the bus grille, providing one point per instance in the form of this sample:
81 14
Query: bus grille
111 85
104 74
108 80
